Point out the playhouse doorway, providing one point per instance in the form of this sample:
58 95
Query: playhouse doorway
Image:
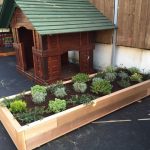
26 39
69 64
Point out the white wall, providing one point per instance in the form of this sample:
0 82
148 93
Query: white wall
125 56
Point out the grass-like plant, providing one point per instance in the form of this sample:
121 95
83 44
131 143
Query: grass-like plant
123 75
110 69
136 77
124 83
80 87
134 70
81 78
102 86
38 93
18 106
57 105
110 76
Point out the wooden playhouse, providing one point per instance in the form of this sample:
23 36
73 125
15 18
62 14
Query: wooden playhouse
45 30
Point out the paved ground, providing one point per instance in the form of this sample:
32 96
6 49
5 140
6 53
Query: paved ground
126 129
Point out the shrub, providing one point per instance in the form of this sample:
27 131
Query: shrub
31 115
134 70
123 75
96 79
136 77
18 106
100 75
80 87
124 83
52 87
60 92
80 77
83 99
38 93
110 69
102 86
57 105
110 76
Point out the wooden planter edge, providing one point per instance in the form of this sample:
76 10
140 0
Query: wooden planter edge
37 133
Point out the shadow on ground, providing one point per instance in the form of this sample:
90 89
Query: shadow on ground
126 129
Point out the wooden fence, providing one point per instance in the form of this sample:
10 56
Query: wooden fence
133 22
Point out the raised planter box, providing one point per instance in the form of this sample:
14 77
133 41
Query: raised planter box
37 133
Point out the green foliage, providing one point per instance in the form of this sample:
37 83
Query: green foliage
100 75
38 93
110 69
124 83
110 76
52 87
80 87
57 105
31 115
18 106
102 86
60 92
96 79
136 77
83 99
134 70
81 78
123 75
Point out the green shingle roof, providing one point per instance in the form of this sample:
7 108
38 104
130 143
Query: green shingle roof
60 16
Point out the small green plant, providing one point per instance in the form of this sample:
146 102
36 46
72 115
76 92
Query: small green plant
83 99
31 115
18 106
81 78
60 92
57 105
100 75
38 93
110 69
96 79
134 70
52 87
102 86
124 83
136 77
123 75
110 76
79 87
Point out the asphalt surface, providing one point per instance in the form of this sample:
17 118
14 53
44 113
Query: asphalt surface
126 129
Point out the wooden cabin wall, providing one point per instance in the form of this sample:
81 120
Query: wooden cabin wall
106 7
133 22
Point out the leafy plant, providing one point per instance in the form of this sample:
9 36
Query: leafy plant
96 79
100 75
60 92
18 106
136 77
52 87
134 70
80 87
124 83
110 76
38 93
81 78
31 115
110 69
102 86
83 99
123 75
57 105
